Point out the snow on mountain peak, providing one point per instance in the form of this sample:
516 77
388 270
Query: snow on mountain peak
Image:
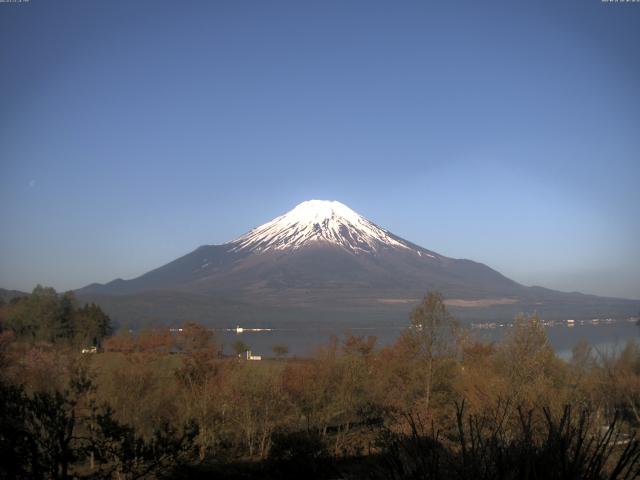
317 211
318 221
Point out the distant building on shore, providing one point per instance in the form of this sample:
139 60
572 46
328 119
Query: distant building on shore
253 357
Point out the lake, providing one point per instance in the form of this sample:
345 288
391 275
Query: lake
304 340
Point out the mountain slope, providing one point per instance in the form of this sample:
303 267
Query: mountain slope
8 295
320 255
316 245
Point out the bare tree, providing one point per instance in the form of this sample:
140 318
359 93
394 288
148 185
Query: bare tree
433 332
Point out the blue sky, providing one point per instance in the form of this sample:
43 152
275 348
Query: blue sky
504 132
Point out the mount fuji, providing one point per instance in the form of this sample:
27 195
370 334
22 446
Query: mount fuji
322 261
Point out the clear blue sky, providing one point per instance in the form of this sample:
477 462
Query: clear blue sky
506 132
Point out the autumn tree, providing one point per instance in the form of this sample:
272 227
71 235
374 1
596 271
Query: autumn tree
40 432
433 335
193 337
123 341
280 350
141 390
359 345
258 406
64 433
619 379
529 365
355 375
478 382
156 341
319 390
202 385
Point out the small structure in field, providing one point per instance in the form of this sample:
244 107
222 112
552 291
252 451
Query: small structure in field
253 357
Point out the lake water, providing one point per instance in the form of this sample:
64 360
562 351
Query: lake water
304 340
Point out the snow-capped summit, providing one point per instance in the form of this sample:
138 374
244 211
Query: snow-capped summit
318 221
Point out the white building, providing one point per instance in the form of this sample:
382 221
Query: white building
253 357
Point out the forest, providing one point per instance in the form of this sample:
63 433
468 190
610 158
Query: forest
436 404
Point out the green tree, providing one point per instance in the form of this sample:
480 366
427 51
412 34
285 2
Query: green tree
92 325
64 327
240 347
19 457
46 316
35 317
